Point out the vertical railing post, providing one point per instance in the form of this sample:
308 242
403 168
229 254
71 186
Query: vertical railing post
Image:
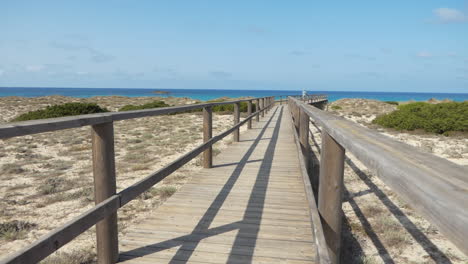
296 115
330 193
207 135
281 100
102 136
304 137
236 121
257 107
249 112
262 105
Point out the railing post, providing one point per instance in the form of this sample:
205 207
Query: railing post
262 105
207 134
249 112
105 186
236 121
304 137
257 107
330 193
296 115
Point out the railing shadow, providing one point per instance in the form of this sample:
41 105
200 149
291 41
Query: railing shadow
256 198
189 242
432 250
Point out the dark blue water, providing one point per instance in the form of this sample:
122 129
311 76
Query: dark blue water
207 94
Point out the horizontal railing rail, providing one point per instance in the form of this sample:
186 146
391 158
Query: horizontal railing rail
436 188
23 128
103 214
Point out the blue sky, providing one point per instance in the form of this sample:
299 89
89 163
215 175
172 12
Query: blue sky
413 46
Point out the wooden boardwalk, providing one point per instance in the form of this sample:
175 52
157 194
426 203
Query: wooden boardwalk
249 208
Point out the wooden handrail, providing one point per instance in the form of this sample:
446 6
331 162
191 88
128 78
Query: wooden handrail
323 257
107 201
23 128
436 188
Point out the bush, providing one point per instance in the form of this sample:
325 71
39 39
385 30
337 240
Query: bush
392 102
230 107
154 104
437 118
336 107
67 109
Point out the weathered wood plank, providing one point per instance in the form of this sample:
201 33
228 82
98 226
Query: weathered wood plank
259 203
102 137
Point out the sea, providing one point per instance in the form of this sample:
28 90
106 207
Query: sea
208 94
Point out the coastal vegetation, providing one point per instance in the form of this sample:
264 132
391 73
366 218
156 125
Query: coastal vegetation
67 109
392 102
154 104
442 118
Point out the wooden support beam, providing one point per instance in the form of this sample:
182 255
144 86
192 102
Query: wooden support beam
105 187
262 105
207 135
304 137
330 193
257 107
236 121
249 112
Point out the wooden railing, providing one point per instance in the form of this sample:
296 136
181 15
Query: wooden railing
436 188
104 213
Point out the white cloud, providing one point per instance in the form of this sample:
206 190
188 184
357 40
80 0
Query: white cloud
450 15
34 68
81 73
221 74
424 54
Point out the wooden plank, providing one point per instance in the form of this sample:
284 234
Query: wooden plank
104 187
23 128
436 188
330 194
225 209
323 256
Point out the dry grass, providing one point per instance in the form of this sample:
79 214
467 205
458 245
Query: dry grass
86 256
13 230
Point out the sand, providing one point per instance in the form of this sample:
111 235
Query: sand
46 179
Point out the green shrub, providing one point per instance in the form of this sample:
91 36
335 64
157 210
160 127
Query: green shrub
437 118
336 107
230 107
392 102
154 104
67 109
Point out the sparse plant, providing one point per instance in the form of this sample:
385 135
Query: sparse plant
15 229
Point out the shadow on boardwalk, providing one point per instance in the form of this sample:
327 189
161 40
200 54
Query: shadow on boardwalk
189 242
